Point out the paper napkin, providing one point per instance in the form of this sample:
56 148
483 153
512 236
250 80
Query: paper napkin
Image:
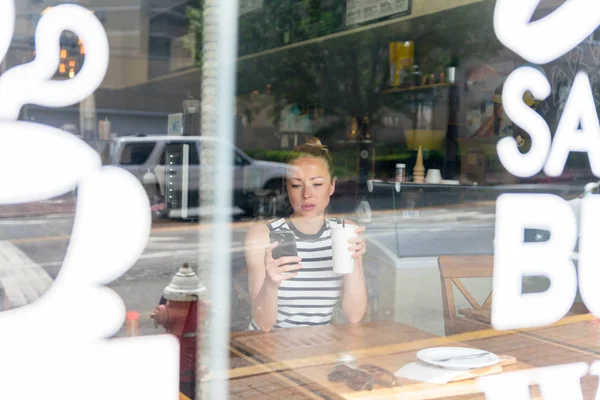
419 371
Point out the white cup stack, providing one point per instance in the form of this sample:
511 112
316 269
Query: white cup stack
343 263
433 176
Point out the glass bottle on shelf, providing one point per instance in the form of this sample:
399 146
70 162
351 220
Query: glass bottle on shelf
416 76
366 128
353 128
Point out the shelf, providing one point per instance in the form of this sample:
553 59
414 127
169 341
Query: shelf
416 88
355 141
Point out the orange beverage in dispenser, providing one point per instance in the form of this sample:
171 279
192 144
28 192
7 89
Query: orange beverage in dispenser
405 59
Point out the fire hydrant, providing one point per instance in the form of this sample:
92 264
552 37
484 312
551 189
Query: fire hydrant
178 313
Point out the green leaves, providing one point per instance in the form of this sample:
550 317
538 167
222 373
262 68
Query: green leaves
196 26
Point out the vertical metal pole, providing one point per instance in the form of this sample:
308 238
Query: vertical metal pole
218 91
185 180
396 188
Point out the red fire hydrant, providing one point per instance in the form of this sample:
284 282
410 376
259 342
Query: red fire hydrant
178 314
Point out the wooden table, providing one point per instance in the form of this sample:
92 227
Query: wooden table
294 363
537 348
484 315
581 335
325 341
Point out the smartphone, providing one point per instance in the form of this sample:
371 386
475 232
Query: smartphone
287 244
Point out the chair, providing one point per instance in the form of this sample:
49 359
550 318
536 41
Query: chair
452 270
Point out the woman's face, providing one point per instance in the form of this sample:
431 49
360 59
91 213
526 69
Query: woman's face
309 186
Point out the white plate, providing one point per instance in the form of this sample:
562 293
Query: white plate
458 357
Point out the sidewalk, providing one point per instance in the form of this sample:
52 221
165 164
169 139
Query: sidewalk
63 205
22 280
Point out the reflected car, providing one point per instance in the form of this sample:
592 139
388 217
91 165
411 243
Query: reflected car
169 168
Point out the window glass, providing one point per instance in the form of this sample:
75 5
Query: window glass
136 153
428 170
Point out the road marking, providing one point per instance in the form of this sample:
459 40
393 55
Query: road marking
164 254
437 214
165 239
25 222
51 264
426 224
158 254
41 239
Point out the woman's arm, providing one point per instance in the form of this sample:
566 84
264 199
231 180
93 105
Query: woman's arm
265 275
355 288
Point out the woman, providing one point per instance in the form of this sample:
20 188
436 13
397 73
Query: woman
302 291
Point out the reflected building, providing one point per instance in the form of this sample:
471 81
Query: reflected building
143 48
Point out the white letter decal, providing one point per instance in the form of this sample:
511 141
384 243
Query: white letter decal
33 83
556 383
562 381
511 309
549 38
589 273
580 108
112 224
509 385
515 162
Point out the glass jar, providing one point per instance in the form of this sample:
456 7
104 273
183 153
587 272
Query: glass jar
400 172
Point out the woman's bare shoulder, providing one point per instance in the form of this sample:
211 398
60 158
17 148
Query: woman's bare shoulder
258 233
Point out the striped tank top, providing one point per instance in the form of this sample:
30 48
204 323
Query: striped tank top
309 298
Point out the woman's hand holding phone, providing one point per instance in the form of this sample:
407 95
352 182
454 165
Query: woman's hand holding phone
282 268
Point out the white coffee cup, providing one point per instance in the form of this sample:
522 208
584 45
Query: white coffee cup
343 263
433 176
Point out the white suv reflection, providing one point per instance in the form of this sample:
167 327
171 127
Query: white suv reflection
174 164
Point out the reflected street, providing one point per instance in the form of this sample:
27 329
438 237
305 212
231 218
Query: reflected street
42 241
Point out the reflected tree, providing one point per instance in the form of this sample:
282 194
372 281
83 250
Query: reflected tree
345 73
